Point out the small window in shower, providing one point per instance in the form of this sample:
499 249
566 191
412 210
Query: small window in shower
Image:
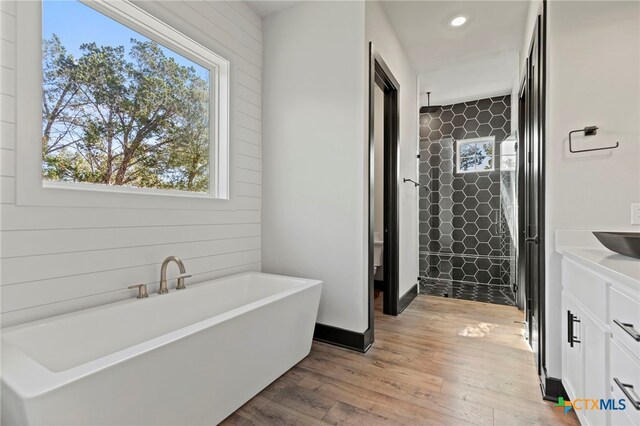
508 154
475 155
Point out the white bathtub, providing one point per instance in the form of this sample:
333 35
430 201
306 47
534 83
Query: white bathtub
189 357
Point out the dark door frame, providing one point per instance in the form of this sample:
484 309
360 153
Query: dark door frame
379 74
521 296
532 233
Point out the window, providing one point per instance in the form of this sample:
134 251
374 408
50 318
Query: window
130 104
475 155
509 154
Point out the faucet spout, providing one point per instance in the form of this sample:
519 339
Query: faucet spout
163 274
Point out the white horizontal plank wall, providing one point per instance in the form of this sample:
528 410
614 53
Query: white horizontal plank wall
59 259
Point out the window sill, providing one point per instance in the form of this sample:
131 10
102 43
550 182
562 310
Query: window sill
75 186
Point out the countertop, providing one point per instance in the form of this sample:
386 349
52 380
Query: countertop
623 269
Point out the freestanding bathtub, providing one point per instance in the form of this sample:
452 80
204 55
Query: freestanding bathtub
190 357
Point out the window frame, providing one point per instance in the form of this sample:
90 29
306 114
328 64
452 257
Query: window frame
32 189
511 139
462 142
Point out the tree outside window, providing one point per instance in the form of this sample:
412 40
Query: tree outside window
122 110
475 155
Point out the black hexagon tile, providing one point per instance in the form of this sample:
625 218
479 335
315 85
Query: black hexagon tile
467 247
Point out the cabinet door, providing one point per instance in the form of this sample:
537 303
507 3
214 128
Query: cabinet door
621 417
594 342
573 371
624 377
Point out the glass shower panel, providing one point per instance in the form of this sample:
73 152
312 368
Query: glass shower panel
467 213
509 209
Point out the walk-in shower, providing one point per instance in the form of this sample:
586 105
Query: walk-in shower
467 206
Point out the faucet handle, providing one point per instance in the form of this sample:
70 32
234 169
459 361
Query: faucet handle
142 290
181 285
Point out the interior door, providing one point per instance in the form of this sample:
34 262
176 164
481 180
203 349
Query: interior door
533 229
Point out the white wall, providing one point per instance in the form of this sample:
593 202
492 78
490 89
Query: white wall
58 259
478 79
378 30
314 158
316 142
593 79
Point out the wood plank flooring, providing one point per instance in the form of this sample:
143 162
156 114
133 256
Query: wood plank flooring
442 362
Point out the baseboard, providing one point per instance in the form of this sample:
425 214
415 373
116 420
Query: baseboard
348 339
552 389
407 298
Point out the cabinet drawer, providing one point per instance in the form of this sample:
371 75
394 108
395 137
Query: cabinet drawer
625 373
624 323
588 288
626 417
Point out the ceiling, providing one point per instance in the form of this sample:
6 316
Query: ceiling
267 7
479 79
429 40
476 60
492 27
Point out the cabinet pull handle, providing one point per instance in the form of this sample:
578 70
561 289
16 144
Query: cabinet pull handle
629 392
570 336
573 338
629 329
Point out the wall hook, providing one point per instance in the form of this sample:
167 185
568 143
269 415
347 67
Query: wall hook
588 131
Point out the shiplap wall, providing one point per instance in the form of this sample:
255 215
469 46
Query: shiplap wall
60 259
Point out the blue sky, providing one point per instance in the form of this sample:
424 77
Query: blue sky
76 23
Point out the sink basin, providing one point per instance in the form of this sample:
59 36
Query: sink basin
627 243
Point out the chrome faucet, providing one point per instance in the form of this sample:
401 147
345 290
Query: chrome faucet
163 275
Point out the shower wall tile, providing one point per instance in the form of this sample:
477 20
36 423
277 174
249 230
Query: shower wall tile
460 268
462 228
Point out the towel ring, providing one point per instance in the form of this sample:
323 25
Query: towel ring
588 131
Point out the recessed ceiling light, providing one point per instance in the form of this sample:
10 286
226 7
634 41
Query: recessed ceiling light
457 21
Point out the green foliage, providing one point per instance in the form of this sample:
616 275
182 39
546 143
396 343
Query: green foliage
471 156
138 120
474 154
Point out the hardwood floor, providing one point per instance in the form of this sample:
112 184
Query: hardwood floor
442 362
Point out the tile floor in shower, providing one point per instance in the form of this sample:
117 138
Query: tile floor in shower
488 293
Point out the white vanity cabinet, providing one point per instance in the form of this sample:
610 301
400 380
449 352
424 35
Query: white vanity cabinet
624 356
585 341
601 345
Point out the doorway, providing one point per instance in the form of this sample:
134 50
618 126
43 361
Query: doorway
383 264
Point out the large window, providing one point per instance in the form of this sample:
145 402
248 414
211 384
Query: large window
475 155
126 106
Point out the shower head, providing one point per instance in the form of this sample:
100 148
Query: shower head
429 108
